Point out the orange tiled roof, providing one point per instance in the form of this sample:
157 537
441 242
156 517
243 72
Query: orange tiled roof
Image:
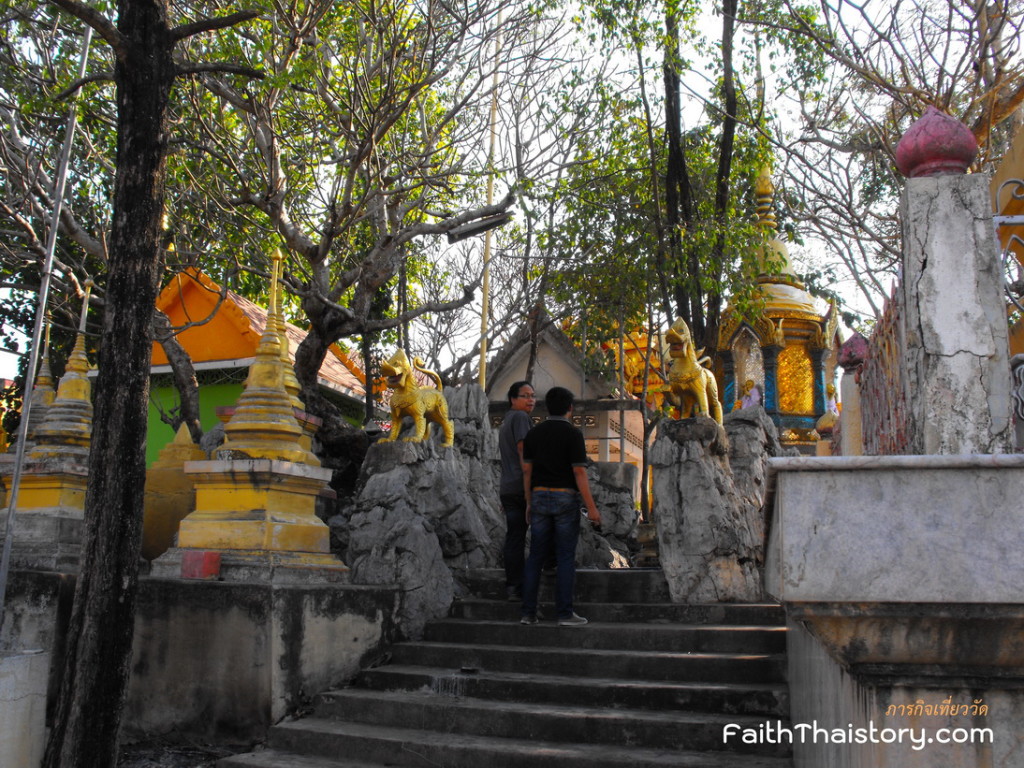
227 327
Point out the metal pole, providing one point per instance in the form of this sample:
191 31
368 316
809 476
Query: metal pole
486 285
37 330
622 382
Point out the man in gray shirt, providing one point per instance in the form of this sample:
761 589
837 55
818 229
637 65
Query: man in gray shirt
521 399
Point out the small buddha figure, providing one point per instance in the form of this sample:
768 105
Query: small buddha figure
751 396
827 423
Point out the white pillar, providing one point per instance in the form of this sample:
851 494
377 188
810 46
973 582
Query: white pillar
956 352
851 437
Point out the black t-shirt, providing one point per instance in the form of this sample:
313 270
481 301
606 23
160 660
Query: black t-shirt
553 448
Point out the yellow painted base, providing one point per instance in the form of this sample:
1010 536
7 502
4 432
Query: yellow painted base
261 531
169 499
255 505
47 490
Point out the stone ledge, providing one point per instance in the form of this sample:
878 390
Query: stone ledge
907 529
921 644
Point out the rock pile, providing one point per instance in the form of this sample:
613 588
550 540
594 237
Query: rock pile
422 511
709 489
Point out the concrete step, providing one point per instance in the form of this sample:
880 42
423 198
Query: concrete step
541 722
748 614
647 684
622 585
711 638
764 699
554 659
414 747
271 758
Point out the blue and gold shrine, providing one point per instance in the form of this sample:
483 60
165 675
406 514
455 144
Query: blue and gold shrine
784 356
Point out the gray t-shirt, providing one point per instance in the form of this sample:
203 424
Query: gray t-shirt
513 430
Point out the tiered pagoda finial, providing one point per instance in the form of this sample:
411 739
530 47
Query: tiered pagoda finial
764 193
275 318
43 393
783 350
67 427
263 425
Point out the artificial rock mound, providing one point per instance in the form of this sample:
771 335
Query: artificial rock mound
709 489
422 514
422 511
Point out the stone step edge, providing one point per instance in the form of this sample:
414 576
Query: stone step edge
681 717
661 604
311 727
272 758
552 649
557 680
656 626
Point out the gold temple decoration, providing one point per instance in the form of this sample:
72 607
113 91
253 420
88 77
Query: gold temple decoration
256 504
170 496
796 381
788 348
423 404
52 489
291 383
691 387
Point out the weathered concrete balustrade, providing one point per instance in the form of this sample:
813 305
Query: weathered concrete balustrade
901 578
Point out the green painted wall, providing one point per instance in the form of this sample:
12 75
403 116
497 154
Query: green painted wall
211 397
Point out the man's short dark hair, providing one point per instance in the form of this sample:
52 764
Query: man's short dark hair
513 391
558 401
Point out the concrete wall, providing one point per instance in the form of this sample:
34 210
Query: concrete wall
23 707
897 529
901 579
219 660
824 694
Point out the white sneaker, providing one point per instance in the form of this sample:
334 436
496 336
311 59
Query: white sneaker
572 621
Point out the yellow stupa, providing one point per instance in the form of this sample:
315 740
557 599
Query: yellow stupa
256 503
50 504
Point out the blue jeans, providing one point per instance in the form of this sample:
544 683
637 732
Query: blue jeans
554 523
514 506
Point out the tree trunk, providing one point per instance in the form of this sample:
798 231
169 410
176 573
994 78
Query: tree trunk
706 332
184 374
98 658
679 213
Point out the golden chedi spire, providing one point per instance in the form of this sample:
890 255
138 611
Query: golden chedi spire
276 319
764 194
773 257
43 393
67 427
778 282
263 425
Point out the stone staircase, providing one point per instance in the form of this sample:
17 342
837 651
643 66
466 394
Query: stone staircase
646 683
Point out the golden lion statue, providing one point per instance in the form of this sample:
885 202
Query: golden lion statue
422 403
691 387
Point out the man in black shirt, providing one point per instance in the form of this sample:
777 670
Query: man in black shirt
555 470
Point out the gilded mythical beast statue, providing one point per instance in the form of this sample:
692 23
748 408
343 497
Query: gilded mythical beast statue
691 387
408 399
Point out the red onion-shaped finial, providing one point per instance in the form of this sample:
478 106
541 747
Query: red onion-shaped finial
935 145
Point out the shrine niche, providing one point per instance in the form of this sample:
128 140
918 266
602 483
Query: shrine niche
787 350
748 365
